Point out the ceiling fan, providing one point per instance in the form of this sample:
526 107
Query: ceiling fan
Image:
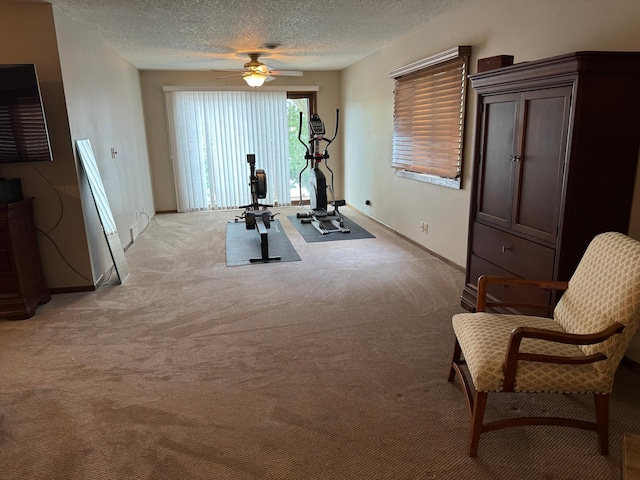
255 72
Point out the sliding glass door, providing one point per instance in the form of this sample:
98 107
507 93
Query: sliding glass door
211 134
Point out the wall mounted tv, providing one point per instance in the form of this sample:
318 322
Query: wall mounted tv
23 129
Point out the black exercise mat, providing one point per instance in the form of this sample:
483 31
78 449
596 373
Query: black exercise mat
310 234
243 244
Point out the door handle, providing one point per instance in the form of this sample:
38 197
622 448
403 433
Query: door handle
514 158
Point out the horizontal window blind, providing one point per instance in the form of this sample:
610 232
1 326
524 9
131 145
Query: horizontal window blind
21 124
429 106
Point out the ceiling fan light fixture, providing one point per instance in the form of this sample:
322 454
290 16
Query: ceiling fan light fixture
254 79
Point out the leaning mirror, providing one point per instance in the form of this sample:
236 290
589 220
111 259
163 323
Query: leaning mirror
88 161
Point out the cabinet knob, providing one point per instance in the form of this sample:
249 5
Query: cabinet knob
504 249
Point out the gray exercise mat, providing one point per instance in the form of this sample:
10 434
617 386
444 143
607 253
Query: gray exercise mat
243 245
310 234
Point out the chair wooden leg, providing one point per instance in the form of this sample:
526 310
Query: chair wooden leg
457 351
479 406
602 420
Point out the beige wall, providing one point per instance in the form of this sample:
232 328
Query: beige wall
104 102
152 82
27 35
526 29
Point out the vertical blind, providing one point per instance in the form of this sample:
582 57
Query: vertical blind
429 118
211 134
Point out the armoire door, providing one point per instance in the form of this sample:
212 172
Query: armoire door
495 162
543 124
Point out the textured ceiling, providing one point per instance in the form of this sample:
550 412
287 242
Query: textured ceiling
217 34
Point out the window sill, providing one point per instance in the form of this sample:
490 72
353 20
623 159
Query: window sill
421 177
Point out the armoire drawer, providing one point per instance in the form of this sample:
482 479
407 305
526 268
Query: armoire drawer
522 257
537 296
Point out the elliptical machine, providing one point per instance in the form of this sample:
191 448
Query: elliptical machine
324 220
257 216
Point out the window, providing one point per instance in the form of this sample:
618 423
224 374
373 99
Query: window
428 119
297 102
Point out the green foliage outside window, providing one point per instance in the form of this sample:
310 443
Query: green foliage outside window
296 150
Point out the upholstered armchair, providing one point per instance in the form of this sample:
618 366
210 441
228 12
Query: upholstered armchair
576 351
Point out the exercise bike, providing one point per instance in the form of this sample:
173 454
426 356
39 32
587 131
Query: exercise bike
257 216
324 220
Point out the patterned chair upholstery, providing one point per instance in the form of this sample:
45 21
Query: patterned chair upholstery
576 351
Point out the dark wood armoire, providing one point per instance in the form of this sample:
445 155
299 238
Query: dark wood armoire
556 149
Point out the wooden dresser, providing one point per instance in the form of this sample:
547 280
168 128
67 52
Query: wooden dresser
22 283
557 144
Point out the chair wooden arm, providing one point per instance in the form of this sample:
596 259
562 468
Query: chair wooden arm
513 354
485 280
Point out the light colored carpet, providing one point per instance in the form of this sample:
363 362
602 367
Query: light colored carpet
333 367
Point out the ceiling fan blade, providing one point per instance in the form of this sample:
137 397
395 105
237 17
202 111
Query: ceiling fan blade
238 74
287 73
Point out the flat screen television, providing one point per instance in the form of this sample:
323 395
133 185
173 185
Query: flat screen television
23 128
